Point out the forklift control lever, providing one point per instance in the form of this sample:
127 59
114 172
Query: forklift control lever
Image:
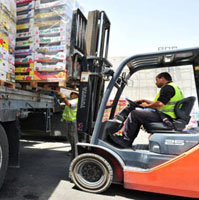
134 104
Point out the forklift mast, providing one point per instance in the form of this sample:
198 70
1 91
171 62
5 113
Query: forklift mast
78 47
93 69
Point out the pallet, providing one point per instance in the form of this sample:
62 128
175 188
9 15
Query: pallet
7 84
42 85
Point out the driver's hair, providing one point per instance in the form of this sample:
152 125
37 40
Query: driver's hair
165 75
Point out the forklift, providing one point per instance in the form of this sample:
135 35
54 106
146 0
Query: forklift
168 164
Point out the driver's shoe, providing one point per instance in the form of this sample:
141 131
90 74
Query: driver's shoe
120 141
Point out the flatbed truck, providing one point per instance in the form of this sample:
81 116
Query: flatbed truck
89 51
13 103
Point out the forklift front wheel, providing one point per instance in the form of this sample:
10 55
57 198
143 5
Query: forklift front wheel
91 173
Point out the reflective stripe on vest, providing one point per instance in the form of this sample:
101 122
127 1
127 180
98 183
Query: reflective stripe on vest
70 113
169 107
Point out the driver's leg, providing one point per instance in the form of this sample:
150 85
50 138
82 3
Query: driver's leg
135 119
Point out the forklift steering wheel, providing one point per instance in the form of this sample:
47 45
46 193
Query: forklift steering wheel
134 104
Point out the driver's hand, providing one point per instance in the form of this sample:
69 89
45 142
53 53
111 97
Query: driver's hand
139 101
144 105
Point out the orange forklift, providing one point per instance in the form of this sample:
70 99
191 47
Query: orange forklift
168 164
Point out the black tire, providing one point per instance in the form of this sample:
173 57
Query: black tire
12 129
3 154
91 173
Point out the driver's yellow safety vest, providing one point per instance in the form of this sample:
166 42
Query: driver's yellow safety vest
69 113
169 107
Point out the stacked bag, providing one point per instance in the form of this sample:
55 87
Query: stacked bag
7 39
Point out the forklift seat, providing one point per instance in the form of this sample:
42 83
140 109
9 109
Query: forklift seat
182 111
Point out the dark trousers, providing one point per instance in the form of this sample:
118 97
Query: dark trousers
72 136
137 118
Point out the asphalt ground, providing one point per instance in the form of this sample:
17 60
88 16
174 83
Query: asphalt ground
43 175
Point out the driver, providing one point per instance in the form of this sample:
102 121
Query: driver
164 101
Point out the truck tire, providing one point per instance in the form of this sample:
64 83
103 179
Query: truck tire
13 135
91 173
3 154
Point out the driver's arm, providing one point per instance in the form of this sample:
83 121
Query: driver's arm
153 105
144 101
166 93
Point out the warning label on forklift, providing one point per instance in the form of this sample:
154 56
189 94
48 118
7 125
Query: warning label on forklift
84 76
174 142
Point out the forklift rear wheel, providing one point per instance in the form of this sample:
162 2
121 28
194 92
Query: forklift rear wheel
91 173
3 154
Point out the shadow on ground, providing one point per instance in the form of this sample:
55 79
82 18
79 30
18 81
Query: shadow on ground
44 164
40 170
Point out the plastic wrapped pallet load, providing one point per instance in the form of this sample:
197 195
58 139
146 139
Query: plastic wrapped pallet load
52 30
24 52
43 40
7 39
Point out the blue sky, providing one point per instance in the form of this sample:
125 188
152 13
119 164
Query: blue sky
139 26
